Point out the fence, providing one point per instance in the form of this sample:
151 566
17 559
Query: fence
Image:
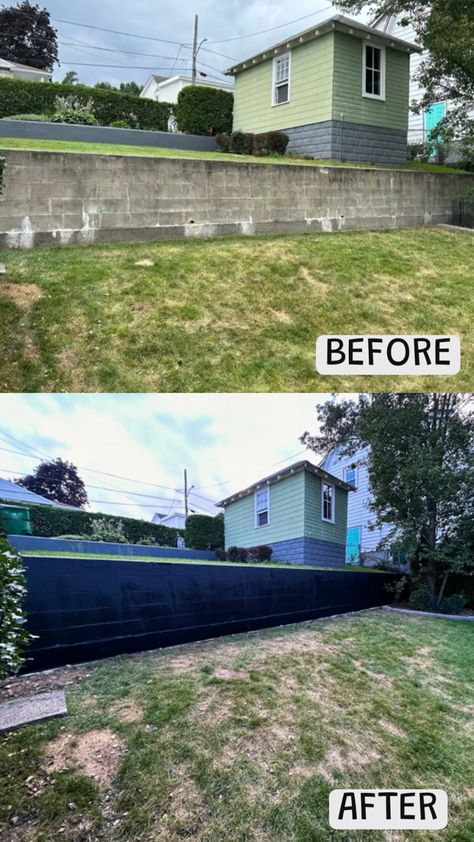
83 609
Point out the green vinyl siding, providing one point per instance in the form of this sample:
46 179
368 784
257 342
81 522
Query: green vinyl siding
286 515
314 526
392 112
310 90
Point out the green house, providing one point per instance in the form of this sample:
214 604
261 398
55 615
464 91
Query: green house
301 512
340 90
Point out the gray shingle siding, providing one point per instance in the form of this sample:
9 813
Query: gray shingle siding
340 141
309 551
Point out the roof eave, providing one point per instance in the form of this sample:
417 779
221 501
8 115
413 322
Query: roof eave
286 472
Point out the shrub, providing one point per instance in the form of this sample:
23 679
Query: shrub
105 529
260 554
270 143
237 554
241 143
221 554
453 604
419 152
72 537
204 532
13 635
70 109
421 599
49 522
223 141
20 97
119 124
201 110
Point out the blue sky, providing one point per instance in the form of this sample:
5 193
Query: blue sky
220 20
225 442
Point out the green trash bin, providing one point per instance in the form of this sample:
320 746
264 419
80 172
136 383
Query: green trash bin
15 520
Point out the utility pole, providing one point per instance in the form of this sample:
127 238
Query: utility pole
195 48
187 492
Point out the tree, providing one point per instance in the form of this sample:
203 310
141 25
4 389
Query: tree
420 459
446 29
71 78
57 480
130 88
26 36
104 86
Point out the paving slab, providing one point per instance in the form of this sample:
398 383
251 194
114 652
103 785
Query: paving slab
32 709
466 617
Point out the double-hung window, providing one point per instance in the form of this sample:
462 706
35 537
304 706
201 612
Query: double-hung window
350 475
328 503
281 79
373 84
262 511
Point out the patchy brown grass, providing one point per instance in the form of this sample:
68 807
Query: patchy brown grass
95 754
23 295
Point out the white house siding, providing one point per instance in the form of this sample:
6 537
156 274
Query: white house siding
391 24
358 513
21 71
168 90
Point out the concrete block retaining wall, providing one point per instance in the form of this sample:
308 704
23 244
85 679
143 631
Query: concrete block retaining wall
29 543
56 198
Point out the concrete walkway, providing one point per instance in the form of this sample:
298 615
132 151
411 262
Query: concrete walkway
429 614
32 709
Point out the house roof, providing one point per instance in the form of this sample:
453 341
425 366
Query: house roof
18 494
5 63
215 83
297 467
341 23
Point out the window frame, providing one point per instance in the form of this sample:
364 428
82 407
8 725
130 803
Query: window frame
381 96
276 84
259 511
350 468
332 519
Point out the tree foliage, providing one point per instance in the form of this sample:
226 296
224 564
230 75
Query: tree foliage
57 480
203 110
446 29
27 37
420 458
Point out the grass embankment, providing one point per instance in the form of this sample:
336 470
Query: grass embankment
228 315
123 149
244 737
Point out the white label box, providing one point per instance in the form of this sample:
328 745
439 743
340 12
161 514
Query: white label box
388 355
388 809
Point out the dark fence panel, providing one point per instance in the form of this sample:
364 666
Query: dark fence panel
83 609
106 134
29 543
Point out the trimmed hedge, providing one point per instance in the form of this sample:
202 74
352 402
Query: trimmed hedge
47 522
204 532
202 110
21 97
246 143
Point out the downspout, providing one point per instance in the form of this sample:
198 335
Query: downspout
341 136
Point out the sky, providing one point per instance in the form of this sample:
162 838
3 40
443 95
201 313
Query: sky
226 442
219 21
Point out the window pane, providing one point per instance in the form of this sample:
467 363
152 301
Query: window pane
281 93
369 88
376 55
262 500
282 68
376 82
262 518
369 51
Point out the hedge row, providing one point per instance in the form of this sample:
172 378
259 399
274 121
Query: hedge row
48 522
204 532
21 97
201 110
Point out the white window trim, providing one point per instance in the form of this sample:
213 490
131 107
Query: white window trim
277 58
257 524
381 96
356 472
326 519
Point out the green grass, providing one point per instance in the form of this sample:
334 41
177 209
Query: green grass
243 738
352 568
121 149
225 315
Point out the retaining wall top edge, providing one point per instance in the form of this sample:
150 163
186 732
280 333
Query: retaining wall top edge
189 160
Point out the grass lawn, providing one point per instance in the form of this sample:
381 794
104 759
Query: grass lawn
121 149
242 739
234 314
171 560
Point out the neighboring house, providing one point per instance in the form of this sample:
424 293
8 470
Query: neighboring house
360 538
17 494
163 89
13 70
422 124
301 512
175 520
340 90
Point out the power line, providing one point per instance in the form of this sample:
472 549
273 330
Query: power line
272 28
117 32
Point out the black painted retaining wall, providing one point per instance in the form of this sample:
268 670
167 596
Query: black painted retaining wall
106 134
30 543
83 609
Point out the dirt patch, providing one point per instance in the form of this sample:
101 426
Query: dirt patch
229 675
40 682
23 296
145 262
96 754
128 710
346 758
282 317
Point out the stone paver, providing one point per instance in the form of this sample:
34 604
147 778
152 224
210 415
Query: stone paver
32 709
